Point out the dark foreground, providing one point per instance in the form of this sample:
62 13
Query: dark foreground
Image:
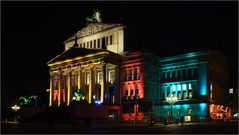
192 128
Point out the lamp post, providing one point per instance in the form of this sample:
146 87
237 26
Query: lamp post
15 108
171 100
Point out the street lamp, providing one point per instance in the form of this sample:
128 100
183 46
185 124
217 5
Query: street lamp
15 108
171 100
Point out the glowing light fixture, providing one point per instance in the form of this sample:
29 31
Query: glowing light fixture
171 100
231 90
184 86
190 86
15 108
97 102
179 87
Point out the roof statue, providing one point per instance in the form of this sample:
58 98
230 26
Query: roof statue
95 17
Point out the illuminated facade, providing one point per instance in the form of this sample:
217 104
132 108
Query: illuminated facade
100 66
200 81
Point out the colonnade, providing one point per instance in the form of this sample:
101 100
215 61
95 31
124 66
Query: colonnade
78 70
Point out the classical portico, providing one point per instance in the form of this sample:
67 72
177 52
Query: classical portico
93 71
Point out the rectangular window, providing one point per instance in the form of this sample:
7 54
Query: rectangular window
132 74
98 44
179 87
210 87
169 112
87 44
126 94
129 74
94 43
137 73
80 45
178 112
90 44
131 94
137 91
99 77
106 41
178 73
190 95
174 74
189 86
184 95
84 45
179 95
168 75
184 86
111 76
184 73
111 39
189 111
174 88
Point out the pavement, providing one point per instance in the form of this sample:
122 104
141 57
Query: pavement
192 128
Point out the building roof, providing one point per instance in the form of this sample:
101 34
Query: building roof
92 28
74 52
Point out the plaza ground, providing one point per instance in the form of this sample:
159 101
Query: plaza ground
192 128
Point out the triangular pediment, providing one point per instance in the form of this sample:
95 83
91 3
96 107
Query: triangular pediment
93 28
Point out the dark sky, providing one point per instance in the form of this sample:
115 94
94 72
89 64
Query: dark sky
33 32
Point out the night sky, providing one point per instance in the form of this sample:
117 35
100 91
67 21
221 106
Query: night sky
33 33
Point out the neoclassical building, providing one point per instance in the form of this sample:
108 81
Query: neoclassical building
102 63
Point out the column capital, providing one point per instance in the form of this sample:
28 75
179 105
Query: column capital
51 73
79 68
69 69
103 63
59 71
91 65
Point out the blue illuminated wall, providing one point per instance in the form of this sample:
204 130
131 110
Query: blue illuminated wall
199 112
202 78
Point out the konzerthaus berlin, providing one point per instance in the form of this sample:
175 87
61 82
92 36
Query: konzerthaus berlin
100 66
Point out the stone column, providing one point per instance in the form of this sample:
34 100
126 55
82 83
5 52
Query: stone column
79 78
91 83
69 87
187 90
103 80
59 87
51 91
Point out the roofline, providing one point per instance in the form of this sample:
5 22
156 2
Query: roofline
76 58
119 24
187 55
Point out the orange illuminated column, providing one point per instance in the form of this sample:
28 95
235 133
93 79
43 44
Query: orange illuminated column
103 78
59 88
91 83
79 77
51 84
69 87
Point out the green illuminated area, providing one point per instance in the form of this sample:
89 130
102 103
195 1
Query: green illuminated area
196 112
79 95
186 77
